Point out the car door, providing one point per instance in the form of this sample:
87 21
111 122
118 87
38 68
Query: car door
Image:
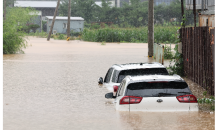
120 94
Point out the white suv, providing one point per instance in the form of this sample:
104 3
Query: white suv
154 93
118 72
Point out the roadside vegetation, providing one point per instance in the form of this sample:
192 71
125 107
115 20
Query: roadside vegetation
128 23
134 35
206 103
15 25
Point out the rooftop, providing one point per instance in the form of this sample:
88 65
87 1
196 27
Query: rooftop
65 18
36 4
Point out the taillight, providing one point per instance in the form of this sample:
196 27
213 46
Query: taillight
115 88
130 100
187 98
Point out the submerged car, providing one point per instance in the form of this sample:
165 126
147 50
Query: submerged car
154 93
118 72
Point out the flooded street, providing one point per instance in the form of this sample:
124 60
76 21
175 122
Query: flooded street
53 86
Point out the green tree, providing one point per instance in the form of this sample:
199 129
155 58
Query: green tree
135 14
13 34
79 8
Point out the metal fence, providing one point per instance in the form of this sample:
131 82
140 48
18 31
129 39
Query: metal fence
158 50
198 55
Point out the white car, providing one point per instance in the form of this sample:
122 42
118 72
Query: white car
155 93
117 73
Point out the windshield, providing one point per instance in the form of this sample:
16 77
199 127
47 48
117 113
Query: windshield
157 89
135 72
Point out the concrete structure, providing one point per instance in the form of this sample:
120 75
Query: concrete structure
113 3
207 18
38 20
46 7
60 25
199 5
167 2
120 3
207 9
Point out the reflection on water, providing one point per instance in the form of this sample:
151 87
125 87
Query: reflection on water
54 86
168 120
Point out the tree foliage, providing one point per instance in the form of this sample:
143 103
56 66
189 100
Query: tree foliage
129 15
13 34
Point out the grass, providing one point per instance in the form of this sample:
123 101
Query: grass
103 43
134 35
38 34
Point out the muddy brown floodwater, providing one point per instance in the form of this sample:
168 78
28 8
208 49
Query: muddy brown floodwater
53 86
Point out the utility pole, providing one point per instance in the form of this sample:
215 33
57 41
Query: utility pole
4 10
68 23
194 11
182 7
55 13
150 27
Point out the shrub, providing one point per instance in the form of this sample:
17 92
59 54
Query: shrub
161 34
13 41
95 26
167 52
33 27
72 33
14 29
61 37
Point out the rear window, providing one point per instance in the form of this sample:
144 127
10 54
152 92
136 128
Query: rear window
156 89
135 72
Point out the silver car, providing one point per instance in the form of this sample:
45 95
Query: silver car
118 72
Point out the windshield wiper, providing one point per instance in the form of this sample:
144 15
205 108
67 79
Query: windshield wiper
185 92
161 94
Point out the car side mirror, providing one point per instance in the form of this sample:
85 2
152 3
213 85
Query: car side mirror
109 95
100 80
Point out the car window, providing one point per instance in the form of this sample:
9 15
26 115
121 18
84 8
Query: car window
118 92
155 89
114 77
108 75
123 87
147 71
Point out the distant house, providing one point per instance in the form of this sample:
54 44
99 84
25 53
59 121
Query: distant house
207 18
46 7
120 3
60 25
206 9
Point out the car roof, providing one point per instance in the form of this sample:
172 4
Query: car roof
137 66
145 78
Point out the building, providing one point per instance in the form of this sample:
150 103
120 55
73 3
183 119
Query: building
120 3
206 9
200 4
60 25
167 2
99 3
46 7
207 17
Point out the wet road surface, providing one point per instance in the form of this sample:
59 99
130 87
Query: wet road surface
53 86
